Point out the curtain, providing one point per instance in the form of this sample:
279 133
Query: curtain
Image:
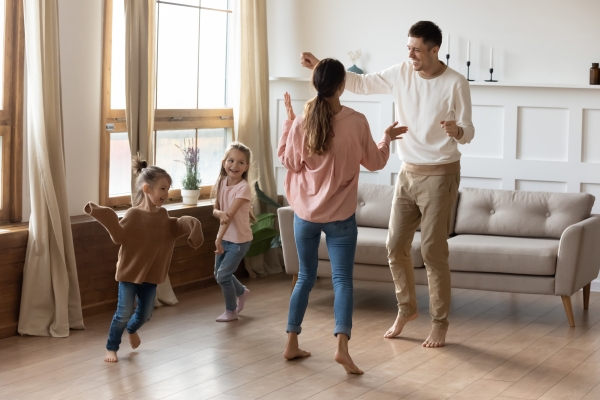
50 301
253 116
140 45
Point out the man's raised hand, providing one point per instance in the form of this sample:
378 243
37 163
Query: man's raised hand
308 60
395 131
451 128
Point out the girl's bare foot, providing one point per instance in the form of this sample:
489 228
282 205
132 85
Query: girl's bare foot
436 338
396 329
342 356
111 356
134 340
291 348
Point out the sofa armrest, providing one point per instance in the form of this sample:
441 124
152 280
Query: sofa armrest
578 256
288 241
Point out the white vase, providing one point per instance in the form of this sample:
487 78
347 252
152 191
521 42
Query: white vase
190 197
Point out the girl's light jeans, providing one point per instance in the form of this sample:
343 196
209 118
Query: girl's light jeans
341 245
225 266
126 317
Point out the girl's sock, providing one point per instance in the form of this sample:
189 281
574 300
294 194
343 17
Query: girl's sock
227 316
242 299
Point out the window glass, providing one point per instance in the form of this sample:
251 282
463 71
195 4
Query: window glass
220 4
120 165
212 144
117 76
213 59
177 57
168 156
2 30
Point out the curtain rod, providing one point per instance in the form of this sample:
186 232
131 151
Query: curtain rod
190 6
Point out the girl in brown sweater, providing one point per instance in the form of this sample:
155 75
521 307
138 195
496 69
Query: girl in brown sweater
147 236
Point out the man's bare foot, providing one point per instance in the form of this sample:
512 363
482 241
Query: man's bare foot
436 338
396 329
111 356
134 340
342 356
291 348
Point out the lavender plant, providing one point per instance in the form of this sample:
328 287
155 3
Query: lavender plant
191 157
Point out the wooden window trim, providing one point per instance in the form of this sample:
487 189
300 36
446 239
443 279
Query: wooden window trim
11 116
164 119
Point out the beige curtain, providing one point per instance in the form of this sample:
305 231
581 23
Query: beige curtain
140 44
253 118
50 301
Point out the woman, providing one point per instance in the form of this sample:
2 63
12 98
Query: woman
323 151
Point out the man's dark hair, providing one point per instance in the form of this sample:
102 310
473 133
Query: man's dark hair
428 31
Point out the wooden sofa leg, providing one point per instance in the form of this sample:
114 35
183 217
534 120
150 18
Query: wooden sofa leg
568 309
586 295
294 280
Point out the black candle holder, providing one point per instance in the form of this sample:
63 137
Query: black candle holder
448 60
491 79
468 67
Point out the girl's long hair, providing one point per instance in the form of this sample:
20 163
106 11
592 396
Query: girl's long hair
328 76
145 175
214 193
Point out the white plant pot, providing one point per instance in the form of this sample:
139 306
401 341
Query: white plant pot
190 197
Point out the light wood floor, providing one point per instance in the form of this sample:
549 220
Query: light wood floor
500 346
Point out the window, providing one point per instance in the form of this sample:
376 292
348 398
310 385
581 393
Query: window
191 93
11 110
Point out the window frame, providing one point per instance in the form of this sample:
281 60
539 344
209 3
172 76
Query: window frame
11 116
164 119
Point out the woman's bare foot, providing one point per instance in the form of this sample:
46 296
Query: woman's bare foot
436 338
134 340
291 348
396 329
111 356
342 356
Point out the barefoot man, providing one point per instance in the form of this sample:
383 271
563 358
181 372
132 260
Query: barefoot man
434 102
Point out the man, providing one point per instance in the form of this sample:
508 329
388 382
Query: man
434 102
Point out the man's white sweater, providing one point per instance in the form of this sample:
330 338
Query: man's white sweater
420 105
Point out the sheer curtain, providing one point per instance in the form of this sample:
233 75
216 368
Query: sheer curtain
140 62
253 108
50 301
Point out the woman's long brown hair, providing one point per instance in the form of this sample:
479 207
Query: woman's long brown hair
328 76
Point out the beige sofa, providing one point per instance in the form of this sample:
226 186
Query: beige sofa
507 241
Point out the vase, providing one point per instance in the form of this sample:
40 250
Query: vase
190 197
355 69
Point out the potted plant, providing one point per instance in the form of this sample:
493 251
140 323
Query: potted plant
190 184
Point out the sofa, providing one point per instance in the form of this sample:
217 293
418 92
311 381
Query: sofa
501 240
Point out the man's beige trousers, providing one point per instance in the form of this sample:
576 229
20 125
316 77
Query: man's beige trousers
426 200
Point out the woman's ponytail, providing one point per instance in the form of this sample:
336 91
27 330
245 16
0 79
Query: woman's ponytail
328 77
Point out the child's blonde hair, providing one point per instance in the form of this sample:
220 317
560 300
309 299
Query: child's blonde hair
145 175
214 194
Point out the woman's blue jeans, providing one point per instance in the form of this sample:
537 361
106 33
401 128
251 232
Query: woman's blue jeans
126 317
225 266
341 245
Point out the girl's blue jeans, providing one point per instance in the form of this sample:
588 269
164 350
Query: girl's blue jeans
126 316
225 266
341 245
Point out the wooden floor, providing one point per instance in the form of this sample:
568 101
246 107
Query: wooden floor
500 346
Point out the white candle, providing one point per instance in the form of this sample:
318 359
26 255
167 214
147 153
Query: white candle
491 57
448 45
469 50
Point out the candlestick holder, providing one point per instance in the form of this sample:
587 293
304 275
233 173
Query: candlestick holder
448 60
468 67
491 79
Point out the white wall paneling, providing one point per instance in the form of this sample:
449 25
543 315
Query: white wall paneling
480 183
543 134
591 136
594 189
541 186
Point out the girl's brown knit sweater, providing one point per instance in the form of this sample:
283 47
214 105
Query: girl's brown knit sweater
147 240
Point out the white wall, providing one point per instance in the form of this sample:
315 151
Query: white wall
80 25
545 41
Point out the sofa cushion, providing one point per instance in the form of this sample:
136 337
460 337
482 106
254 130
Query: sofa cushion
374 205
370 247
509 255
519 213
